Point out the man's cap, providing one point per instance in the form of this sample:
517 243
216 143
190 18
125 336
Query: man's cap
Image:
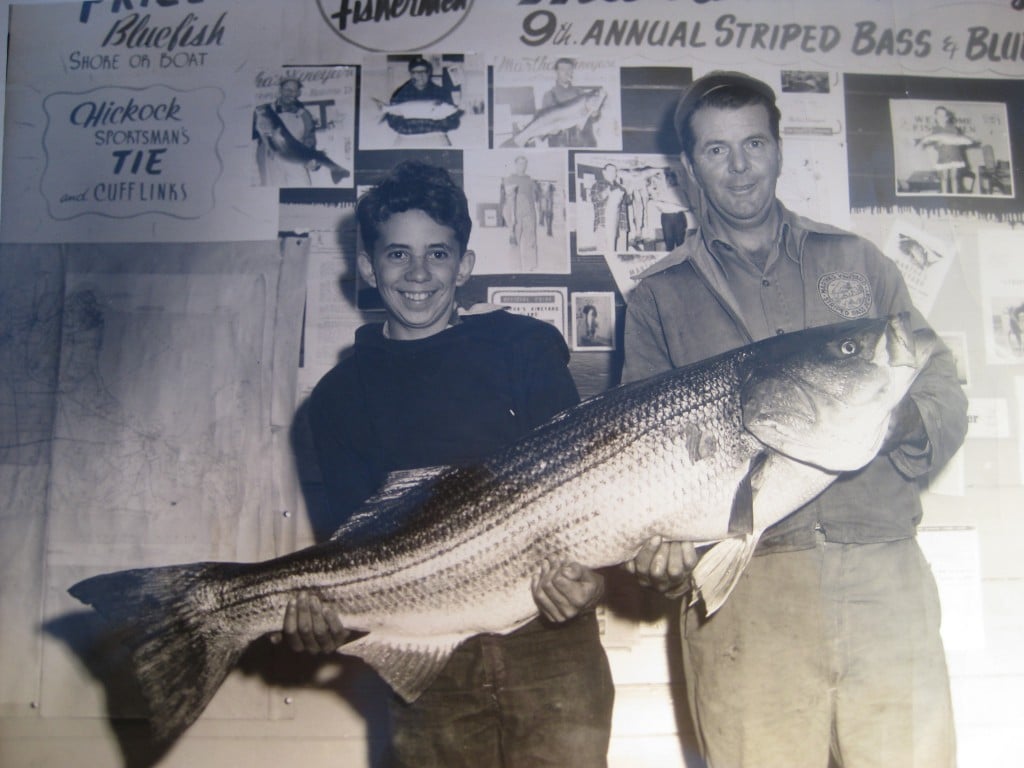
714 81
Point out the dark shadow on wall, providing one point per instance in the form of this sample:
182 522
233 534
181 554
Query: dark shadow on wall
628 600
98 647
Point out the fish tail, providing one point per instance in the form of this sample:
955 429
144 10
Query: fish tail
719 570
179 654
338 173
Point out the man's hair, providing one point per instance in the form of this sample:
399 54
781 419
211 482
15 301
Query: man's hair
421 62
290 80
733 96
566 60
415 186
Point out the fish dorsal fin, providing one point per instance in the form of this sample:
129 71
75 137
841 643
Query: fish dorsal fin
741 518
398 494
407 665
719 570
398 483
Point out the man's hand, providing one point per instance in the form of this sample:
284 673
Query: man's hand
311 626
905 426
664 565
567 590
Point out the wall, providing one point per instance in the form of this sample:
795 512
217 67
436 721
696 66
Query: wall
163 313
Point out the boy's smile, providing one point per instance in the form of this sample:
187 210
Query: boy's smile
416 265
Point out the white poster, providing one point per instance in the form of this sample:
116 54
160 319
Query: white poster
1002 285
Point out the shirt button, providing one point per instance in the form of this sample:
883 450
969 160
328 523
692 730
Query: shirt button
766 282
779 331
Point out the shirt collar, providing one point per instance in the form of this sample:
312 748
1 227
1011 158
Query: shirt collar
279 107
795 229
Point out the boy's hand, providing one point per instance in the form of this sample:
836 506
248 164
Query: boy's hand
664 565
567 590
311 626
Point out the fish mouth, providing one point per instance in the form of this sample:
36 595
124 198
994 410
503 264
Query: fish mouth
781 401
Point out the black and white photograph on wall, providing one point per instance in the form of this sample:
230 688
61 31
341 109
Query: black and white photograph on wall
548 304
1007 318
593 321
923 260
517 201
804 81
630 202
423 101
303 127
951 148
325 220
1002 284
545 102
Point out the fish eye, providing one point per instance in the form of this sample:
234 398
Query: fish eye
848 347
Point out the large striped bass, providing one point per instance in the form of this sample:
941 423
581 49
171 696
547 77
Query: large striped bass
717 451
269 126
418 109
573 113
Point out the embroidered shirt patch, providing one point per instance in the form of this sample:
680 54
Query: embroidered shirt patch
846 293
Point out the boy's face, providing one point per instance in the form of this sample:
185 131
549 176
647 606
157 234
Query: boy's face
416 266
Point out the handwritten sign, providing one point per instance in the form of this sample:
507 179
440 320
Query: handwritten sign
123 152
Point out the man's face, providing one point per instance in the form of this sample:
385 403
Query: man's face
736 161
290 92
420 77
520 165
416 266
610 173
564 73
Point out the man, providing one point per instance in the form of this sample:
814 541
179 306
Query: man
829 647
561 92
523 200
607 196
421 87
277 126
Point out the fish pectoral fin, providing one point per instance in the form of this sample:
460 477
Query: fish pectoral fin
407 665
719 570
741 517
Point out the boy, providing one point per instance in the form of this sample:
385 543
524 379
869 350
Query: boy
430 387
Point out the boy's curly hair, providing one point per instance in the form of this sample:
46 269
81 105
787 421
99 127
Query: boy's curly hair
414 185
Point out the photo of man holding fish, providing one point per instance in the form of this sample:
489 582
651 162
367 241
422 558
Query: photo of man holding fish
423 101
286 141
829 645
303 127
544 103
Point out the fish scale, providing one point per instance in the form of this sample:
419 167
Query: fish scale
439 555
